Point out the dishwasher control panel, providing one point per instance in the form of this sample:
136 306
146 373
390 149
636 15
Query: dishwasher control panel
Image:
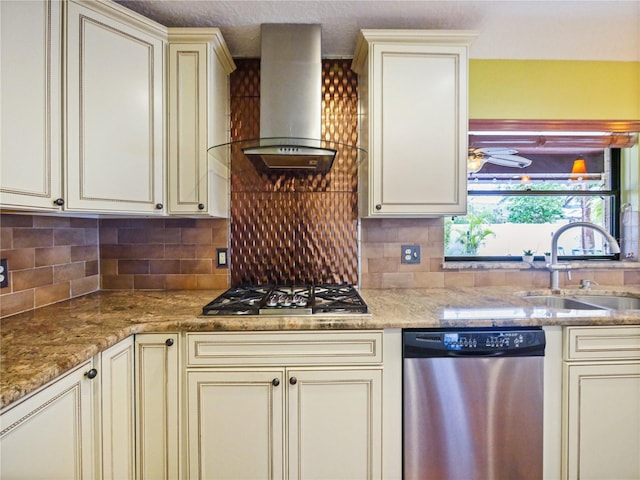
469 341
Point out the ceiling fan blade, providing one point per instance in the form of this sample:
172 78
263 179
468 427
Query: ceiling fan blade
493 151
513 161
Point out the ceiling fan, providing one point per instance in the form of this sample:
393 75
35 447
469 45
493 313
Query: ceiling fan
505 157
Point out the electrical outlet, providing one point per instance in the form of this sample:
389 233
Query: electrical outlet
222 259
4 273
410 253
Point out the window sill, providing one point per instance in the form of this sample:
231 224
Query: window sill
575 265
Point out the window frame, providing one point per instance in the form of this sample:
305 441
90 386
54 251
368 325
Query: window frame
614 220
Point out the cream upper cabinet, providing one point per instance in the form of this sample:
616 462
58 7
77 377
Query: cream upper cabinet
157 367
601 403
115 121
284 405
30 88
198 118
413 87
51 433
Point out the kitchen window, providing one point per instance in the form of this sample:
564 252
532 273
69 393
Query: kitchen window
521 196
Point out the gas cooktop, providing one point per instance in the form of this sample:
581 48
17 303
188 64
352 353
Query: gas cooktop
287 300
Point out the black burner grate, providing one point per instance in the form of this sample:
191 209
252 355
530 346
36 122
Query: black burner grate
287 300
338 299
237 301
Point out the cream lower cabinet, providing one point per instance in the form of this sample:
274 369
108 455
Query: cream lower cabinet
293 405
117 411
79 426
552 407
198 113
157 373
334 423
413 102
602 403
50 434
30 88
114 100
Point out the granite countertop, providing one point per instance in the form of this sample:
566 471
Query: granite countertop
38 346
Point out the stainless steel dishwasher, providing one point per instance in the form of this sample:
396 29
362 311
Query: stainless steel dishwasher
472 403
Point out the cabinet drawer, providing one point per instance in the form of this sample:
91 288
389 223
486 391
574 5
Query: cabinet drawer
284 348
608 343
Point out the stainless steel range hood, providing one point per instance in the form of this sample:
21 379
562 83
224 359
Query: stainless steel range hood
290 105
290 100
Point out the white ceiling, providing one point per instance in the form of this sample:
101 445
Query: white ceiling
509 29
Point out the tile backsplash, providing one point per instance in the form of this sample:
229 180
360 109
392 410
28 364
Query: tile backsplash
381 267
49 259
162 254
52 259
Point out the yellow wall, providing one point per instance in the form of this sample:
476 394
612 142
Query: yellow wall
554 90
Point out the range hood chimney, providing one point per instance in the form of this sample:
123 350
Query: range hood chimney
290 101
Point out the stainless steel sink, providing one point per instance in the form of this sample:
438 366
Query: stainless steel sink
587 302
561 302
611 302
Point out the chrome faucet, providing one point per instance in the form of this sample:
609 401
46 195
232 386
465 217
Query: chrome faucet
555 267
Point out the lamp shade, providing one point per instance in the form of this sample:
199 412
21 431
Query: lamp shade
578 169
579 166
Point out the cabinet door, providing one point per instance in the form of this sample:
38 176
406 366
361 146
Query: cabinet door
335 423
198 113
187 128
118 411
157 406
602 421
50 435
236 424
414 110
30 76
114 114
419 137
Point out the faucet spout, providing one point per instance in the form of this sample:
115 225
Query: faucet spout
555 267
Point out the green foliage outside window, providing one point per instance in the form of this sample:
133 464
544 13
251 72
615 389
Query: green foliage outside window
534 209
474 237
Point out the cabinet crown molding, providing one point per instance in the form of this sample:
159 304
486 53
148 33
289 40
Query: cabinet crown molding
211 35
120 13
368 37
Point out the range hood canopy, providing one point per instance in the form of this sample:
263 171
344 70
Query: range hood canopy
286 155
290 104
